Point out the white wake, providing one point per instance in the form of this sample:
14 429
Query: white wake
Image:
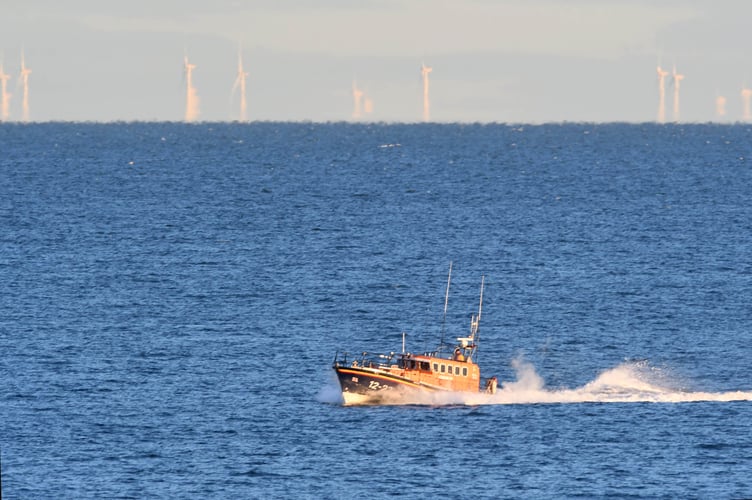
632 382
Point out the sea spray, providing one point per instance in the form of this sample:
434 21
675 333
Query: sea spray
331 392
528 379
629 382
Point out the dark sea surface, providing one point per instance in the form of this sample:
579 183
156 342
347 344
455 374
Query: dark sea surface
173 296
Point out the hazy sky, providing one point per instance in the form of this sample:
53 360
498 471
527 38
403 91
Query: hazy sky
493 60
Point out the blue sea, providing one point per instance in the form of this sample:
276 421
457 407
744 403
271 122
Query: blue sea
173 295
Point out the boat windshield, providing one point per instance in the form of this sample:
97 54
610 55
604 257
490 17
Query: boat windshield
383 362
414 364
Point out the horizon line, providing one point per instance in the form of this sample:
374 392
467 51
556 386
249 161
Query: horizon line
376 122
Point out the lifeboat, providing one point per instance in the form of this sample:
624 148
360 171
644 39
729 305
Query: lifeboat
405 377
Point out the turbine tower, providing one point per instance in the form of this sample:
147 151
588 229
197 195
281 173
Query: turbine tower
662 74
240 84
746 97
24 80
424 71
676 78
4 95
357 96
720 106
191 98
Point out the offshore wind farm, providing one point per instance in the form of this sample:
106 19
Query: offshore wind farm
504 62
362 101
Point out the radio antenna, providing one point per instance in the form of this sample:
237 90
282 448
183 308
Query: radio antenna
476 326
446 303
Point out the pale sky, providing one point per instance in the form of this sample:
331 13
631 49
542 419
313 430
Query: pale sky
521 61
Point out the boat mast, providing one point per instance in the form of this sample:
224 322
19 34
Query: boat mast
476 324
480 305
446 302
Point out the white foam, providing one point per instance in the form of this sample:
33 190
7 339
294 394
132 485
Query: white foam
331 392
626 383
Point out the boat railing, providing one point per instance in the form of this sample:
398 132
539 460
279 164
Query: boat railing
389 361
366 360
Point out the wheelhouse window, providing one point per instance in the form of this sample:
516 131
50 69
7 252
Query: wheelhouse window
456 370
443 368
435 367
464 371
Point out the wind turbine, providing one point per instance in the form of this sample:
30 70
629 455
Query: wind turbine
24 80
4 95
720 106
662 74
240 84
357 96
367 105
424 71
746 97
676 78
191 98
